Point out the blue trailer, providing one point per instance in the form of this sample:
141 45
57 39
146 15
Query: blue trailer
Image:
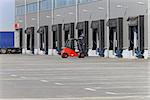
9 43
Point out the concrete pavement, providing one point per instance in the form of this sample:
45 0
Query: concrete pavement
30 77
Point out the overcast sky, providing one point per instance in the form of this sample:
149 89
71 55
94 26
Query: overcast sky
7 15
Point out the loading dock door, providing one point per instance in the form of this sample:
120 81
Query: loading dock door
95 37
112 39
98 36
30 38
69 31
83 31
96 33
57 37
28 41
43 31
116 35
136 35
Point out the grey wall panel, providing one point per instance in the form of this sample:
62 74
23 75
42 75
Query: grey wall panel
19 2
136 7
45 18
93 11
121 8
31 1
99 10
31 19
117 8
22 2
65 15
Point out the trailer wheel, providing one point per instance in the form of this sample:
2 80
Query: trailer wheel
81 55
9 51
3 51
64 55
13 51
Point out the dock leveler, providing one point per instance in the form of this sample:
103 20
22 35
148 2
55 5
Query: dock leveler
116 36
57 37
83 32
69 29
98 36
43 39
136 35
30 39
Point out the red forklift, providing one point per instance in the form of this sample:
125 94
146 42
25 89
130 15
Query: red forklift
74 48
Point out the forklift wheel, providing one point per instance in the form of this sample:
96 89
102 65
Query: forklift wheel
81 55
64 55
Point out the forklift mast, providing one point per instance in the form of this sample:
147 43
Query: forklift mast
83 35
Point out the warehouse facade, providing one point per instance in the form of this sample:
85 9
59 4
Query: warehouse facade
111 27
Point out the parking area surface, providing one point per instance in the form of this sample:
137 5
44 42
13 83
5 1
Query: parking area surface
53 78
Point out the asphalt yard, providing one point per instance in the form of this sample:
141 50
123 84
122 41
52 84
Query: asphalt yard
28 77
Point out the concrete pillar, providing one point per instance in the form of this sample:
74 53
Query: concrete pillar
107 30
51 51
38 25
25 24
77 18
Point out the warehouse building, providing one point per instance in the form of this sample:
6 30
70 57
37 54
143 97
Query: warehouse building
112 28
